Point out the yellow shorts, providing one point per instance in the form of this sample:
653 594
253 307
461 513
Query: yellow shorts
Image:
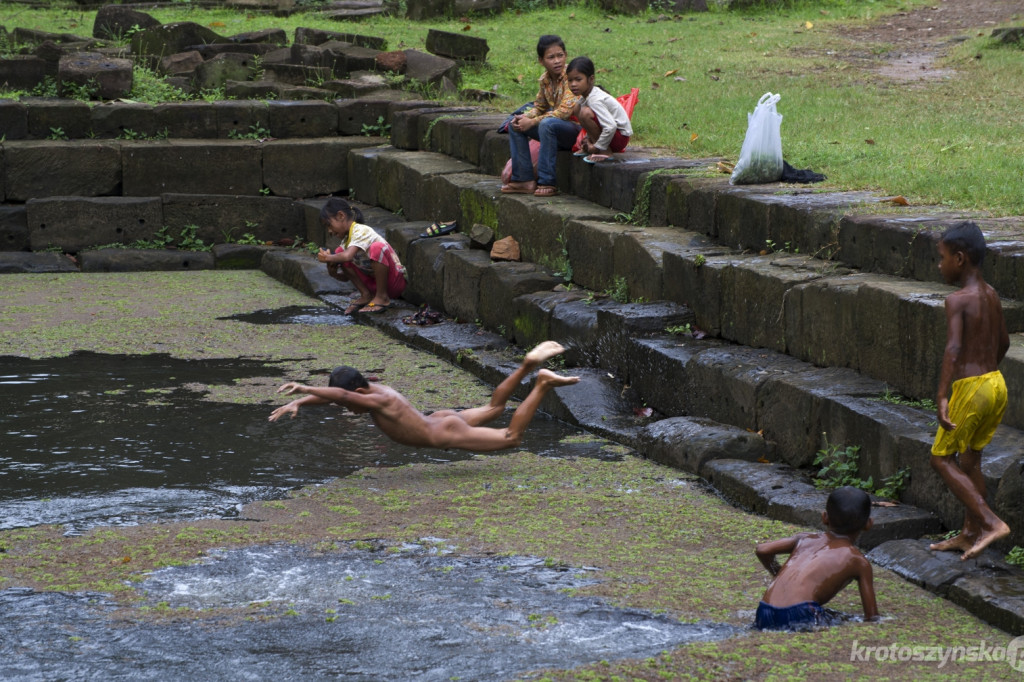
976 407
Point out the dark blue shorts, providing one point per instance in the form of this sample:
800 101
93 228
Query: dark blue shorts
800 616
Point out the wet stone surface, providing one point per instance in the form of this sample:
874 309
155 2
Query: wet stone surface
364 614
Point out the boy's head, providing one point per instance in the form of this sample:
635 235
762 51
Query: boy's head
848 510
347 378
965 237
551 55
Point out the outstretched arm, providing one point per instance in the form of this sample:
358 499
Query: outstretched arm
292 408
350 399
766 552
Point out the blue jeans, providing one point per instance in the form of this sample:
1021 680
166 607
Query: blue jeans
553 134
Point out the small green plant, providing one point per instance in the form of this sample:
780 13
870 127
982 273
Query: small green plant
378 129
265 191
80 91
565 272
46 88
462 354
699 260
256 132
894 398
1016 556
189 240
57 134
619 290
680 330
840 467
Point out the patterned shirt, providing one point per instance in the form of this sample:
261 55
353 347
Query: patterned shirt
553 99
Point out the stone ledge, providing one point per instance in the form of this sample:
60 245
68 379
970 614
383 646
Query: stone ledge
986 586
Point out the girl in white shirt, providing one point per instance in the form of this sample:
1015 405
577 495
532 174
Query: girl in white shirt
364 258
605 120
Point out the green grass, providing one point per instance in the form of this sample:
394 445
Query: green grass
946 142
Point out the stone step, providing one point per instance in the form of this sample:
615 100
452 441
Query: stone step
822 313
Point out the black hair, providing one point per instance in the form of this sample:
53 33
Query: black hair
347 378
966 237
336 205
547 41
848 510
582 64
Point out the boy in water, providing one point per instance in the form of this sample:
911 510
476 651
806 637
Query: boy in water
976 341
819 566
403 423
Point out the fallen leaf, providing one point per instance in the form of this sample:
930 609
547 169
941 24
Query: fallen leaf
693 138
714 78
643 411
679 79
762 252
669 73
808 25
869 141
217 24
672 40
898 201
762 460
654 86
467 27
572 16
753 35
519 78
725 167
604 70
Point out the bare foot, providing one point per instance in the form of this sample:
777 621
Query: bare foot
549 378
542 352
986 539
959 542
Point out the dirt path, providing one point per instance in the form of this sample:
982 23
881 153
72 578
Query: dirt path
921 36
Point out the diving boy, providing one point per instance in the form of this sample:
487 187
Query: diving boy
819 566
976 341
400 421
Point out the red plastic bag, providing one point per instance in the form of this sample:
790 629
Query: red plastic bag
628 103
506 173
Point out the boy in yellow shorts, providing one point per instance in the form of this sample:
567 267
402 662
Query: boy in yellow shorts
976 341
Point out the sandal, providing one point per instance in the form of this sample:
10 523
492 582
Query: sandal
440 228
374 308
545 191
597 158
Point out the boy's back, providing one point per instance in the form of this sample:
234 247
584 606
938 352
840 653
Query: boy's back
819 566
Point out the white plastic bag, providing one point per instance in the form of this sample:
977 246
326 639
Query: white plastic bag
761 154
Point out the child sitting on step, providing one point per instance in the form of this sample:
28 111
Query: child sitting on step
547 121
605 120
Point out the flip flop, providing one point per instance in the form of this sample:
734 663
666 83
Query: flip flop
597 158
545 191
580 153
353 307
440 228
374 308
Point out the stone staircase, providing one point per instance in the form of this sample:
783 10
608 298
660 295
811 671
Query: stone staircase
806 309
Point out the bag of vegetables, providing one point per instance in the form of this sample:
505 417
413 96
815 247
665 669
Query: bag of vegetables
761 154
